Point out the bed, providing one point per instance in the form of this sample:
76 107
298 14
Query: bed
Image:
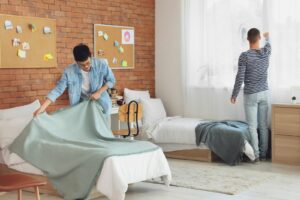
160 129
116 173
177 135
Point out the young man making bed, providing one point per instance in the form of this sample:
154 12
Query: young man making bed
253 72
87 78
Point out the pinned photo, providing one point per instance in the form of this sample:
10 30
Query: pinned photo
8 24
32 27
115 60
127 36
16 42
25 46
100 33
100 52
47 30
19 29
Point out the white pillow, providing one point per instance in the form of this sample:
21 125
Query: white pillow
137 95
14 120
153 111
11 128
11 113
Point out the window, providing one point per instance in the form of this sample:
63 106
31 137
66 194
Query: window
215 33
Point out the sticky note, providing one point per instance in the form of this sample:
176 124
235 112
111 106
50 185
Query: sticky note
116 43
121 50
124 63
105 36
47 30
25 46
8 24
100 52
100 33
16 42
19 29
21 53
48 57
115 60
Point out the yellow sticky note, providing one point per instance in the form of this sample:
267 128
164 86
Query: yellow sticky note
48 56
21 53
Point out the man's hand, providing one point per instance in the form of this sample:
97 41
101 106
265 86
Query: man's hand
42 108
38 111
266 35
95 95
233 100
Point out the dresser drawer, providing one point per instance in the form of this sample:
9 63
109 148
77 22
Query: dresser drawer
286 121
286 150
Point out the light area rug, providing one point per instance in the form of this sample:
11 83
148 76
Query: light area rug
215 177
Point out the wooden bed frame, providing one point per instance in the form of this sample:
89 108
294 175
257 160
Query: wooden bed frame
205 155
48 188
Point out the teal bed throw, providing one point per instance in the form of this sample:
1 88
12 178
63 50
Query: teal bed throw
70 147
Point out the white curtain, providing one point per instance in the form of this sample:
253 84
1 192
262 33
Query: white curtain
214 35
284 25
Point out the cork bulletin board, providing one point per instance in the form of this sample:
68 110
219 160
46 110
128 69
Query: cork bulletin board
27 42
115 44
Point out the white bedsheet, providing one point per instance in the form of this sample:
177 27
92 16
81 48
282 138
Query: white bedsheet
178 133
117 171
175 130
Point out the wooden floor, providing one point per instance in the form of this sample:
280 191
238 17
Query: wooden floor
285 187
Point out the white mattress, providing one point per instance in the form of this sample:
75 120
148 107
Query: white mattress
117 171
176 130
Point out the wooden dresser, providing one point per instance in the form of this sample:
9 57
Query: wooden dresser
286 134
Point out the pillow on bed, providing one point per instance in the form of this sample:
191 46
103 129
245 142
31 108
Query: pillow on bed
11 128
14 120
153 111
19 111
137 95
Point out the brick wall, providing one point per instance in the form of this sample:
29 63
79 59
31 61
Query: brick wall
74 23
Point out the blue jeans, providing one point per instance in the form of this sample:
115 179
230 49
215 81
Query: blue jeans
256 110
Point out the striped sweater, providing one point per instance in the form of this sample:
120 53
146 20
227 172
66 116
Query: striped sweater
253 71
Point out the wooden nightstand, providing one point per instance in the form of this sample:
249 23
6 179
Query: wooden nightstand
286 133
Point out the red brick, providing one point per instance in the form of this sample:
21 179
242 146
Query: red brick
7 77
74 22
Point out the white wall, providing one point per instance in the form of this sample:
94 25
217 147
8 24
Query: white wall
168 55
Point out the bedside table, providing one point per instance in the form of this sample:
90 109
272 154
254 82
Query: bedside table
286 133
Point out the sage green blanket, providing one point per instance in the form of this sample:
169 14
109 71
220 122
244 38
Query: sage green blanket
71 146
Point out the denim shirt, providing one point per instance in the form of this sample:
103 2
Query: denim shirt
100 74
